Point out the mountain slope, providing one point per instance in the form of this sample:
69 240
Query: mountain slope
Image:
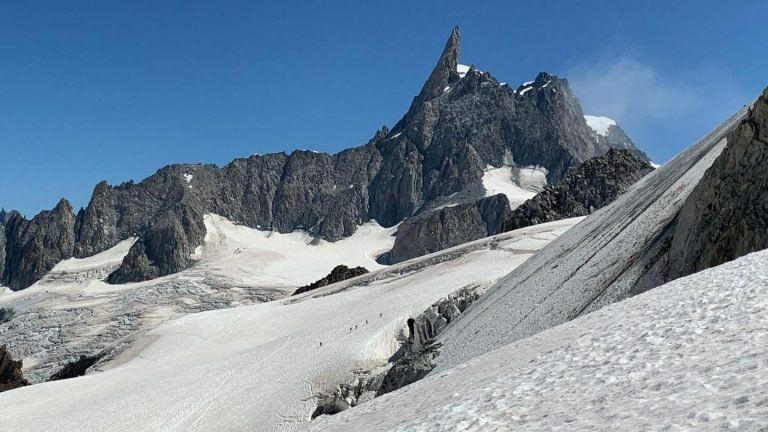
726 215
685 356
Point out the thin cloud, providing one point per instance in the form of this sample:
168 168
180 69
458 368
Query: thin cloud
634 91
664 110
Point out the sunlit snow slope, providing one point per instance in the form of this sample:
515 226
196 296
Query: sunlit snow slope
690 355
73 312
258 367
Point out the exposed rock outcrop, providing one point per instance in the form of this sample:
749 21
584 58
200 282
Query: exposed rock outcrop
726 215
348 395
76 368
417 356
615 137
10 372
338 274
448 226
589 187
6 314
461 121
4 216
32 248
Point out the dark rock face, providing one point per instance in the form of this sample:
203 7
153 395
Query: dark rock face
726 216
457 125
412 367
6 314
10 372
449 226
76 368
4 216
32 248
418 355
616 138
593 185
338 274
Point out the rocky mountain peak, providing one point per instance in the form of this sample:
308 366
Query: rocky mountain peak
445 72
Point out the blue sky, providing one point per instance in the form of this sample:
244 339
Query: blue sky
114 90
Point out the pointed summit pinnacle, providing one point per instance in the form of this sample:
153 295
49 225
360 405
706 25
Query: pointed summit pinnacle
445 67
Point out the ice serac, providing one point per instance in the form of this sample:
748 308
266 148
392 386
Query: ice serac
614 253
590 187
458 125
726 216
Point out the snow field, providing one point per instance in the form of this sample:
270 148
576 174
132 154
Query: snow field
690 355
258 367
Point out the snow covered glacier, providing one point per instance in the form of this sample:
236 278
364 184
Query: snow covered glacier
256 367
690 355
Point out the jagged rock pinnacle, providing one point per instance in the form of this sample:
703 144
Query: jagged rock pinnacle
446 66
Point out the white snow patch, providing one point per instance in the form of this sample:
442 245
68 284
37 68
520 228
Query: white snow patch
110 257
655 165
530 181
527 83
462 69
258 367
188 177
272 259
446 89
687 356
525 90
395 135
599 124
546 84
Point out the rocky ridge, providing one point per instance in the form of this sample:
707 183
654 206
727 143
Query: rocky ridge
589 187
447 227
338 274
460 122
726 215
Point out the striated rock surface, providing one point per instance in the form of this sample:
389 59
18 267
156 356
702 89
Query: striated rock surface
726 215
593 185
338 274
448 226
462 121
10 372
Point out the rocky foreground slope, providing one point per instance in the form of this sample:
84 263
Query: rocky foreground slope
689 355
462 121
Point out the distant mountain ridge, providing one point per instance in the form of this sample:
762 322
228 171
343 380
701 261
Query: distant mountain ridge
462 121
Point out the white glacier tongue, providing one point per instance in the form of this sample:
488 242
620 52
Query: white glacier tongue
690 355
600 125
